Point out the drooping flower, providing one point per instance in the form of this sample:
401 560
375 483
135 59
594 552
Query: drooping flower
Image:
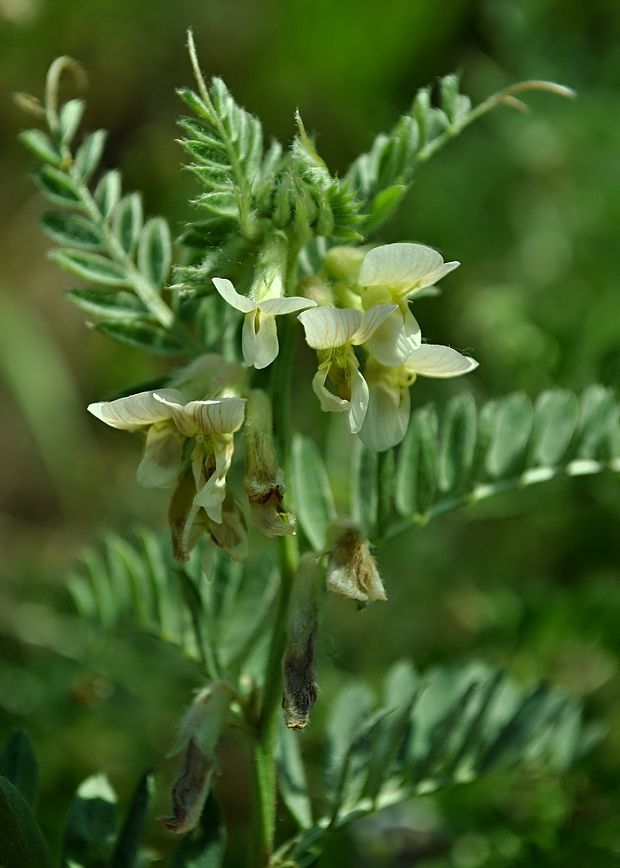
393 273
188 521
170 421
333 332
212 425
351 569
163 452
389 404
259 337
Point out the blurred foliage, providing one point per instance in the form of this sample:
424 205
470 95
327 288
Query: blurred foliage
529 204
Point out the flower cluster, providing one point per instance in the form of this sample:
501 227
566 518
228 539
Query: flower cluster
189 447
356 315
374 291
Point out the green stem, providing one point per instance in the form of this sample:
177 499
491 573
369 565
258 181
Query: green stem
143 289
507 97
266 731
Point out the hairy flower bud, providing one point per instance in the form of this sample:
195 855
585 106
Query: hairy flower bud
300 689
199 733
264 480
351 569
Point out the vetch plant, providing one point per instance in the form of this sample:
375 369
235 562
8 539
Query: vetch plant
278 251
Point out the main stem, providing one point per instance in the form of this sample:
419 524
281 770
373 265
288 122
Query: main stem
265 792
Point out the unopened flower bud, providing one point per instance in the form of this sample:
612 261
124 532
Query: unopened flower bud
351 569
316 289
199 733
344 263
300 688
264 480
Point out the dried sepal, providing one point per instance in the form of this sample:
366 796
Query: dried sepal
351 569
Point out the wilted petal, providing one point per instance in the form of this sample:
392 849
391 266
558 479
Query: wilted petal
134 411
351 569
190 791
403 266
434 360
396 339
329 327
231 534
387 417
184 518
163 457
286 304
359 401
230 294
330 403
372 320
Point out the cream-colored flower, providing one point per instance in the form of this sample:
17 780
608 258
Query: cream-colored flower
393 273
211 424
333 332
162 459
169 421
389 407
259 337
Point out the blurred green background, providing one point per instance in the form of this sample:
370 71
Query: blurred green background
529 204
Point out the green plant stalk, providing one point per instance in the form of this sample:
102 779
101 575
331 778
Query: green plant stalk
264 769
140 284
143 289
507 97
482 490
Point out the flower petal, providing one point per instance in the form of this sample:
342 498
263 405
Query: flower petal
387 418
248 338
210 496
396 339
372 320
230 533
359 401
266 344
230 294
163 457
403 266
328 327
134 411
330 403
290 304
434 360
221 416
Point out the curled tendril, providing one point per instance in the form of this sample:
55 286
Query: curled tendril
52 85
